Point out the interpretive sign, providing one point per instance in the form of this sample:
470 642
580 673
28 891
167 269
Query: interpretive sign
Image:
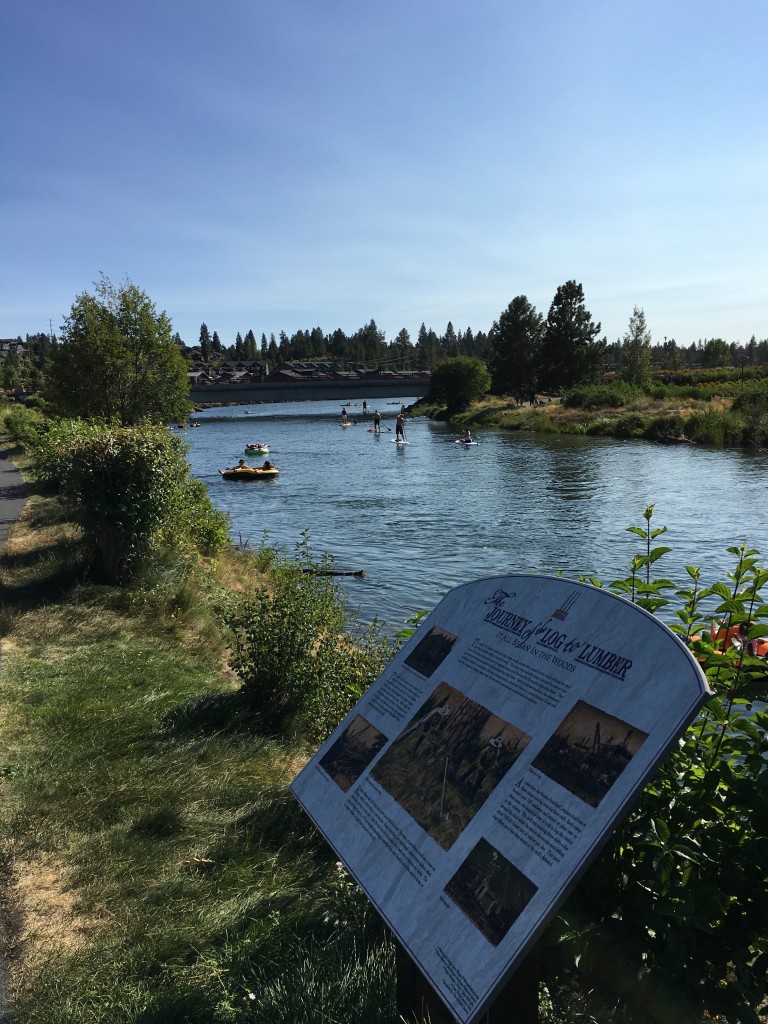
471 786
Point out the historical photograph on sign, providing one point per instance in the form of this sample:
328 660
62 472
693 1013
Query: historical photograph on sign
447 761
430 652
491 891
353 751
589 751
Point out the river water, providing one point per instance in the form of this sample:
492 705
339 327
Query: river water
423 517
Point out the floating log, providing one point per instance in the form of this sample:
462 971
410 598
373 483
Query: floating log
336 572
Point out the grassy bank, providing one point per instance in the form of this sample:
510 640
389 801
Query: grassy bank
678 419
158 869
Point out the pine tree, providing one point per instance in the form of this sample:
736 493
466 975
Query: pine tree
570 354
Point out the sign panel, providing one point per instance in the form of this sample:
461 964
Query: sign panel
471 786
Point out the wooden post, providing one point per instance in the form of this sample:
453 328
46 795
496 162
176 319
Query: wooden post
517 1003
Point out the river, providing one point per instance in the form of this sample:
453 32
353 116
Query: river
423 517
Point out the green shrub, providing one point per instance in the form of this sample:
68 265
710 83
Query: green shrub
130 490
25 426
36 402
602 396
716 428
53 447
303 657
665 428
672 916
630 425
752 405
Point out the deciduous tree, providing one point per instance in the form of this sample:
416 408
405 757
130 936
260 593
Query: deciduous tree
117 361
636 350
459 381
716 352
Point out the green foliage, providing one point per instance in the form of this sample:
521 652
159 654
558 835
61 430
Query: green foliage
514 349
612 395
130 490
303 657
26 426
570 353
459 381
630 425
117 360
673 914
715 429
752 405
716 352
636 350
667 428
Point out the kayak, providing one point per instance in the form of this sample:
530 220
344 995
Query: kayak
248 473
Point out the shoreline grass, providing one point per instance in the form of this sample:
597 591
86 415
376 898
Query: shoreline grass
157 868
706 421
175 878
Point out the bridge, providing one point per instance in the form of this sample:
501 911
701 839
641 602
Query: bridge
346 390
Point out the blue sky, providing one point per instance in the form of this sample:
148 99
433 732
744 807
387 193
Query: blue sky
312 163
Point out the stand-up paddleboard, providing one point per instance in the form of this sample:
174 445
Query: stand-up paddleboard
397 440
467 444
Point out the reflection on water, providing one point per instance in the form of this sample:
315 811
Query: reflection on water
424 517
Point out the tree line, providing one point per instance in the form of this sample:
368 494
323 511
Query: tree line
118 327
366 346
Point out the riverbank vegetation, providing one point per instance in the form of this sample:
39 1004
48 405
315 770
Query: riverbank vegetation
157 869
719 409
523 351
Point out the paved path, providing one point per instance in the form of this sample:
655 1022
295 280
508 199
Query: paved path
12 495
12 498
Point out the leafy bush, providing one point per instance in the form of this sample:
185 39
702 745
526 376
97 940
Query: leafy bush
752 405
673 914
459 381
130 490
53 447
632 424
25 426
666 428
303 658
36 402
716 428
602 396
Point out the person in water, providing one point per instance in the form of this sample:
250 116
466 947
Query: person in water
268 465
400 428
